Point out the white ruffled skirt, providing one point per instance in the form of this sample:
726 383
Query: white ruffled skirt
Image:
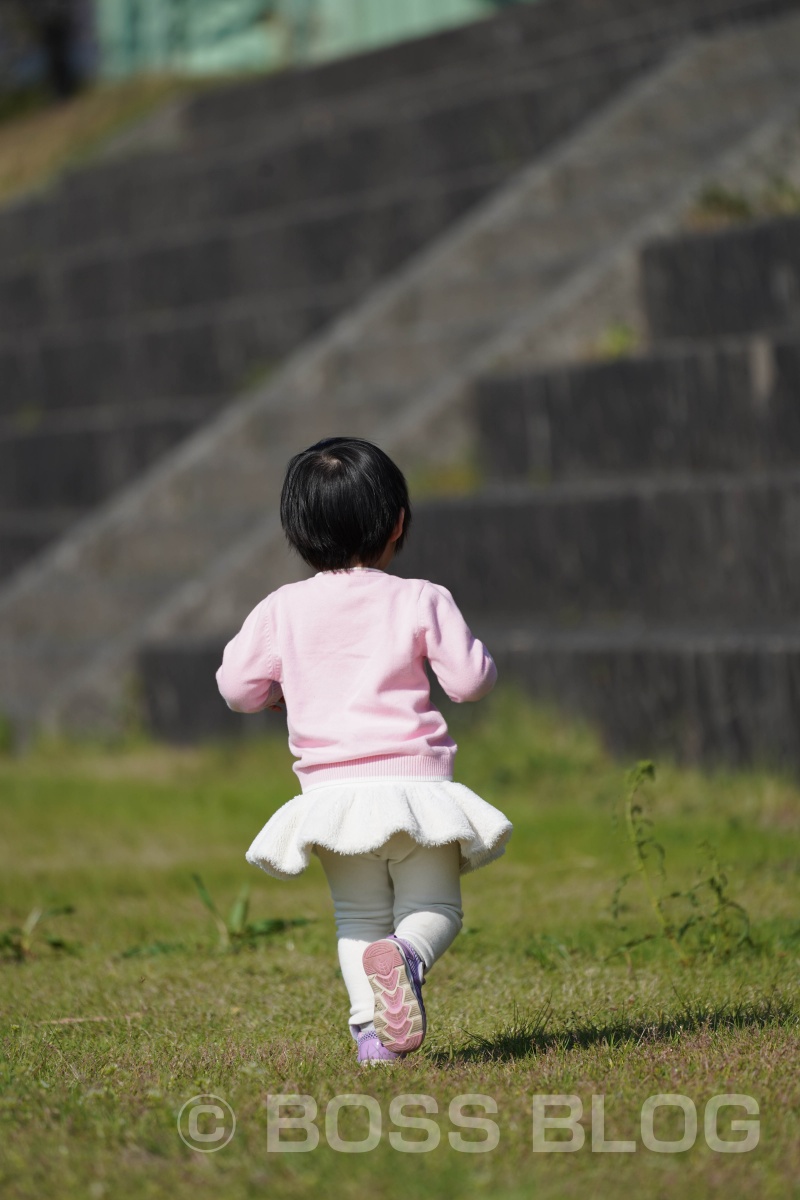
359 815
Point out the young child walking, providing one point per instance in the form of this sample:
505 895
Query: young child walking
345 652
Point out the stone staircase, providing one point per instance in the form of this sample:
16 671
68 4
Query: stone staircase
637 558
144 293
181 555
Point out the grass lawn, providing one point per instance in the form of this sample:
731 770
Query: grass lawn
103 1042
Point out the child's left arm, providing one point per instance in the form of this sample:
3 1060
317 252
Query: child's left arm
461 663
246 679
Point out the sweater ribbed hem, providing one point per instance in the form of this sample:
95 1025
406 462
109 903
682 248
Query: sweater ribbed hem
380 766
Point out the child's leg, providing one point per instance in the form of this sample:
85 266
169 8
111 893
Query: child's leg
427 913
427 894
362 903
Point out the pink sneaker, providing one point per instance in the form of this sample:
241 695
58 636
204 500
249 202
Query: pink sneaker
395 972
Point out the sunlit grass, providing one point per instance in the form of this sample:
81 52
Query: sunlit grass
101 1048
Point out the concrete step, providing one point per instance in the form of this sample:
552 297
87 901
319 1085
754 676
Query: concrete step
306 260
487 288
159 555
197 363
305 275
202 265
675 549
77 461
698 695
206 352
515 270
85 607
730 281
24 534
586 200
320 265
180 696
525 91
407 360
726 407
492 130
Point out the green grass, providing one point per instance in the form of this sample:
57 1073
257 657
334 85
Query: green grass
443 479
717 206
617 340
101 1048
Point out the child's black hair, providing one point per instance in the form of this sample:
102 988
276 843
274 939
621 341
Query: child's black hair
341 501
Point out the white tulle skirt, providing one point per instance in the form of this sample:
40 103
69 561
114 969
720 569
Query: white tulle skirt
359 815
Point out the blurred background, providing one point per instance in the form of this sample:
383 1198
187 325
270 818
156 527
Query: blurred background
43 40
547 254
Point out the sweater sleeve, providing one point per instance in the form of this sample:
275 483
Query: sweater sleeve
246 679
461 663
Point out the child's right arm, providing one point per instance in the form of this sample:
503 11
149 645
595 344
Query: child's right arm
461 663
246 679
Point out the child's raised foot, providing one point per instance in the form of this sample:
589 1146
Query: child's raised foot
395 972
372 1049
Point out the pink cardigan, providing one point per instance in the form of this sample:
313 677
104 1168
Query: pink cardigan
347 651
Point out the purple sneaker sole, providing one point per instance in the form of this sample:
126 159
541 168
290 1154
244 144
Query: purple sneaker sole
393 967
372 1049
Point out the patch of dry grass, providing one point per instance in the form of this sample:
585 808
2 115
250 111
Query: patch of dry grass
37 146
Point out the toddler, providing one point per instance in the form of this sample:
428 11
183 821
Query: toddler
345 652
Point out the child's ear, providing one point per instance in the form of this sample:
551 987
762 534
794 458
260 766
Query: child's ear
398 529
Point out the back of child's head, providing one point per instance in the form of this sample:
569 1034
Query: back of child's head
341 501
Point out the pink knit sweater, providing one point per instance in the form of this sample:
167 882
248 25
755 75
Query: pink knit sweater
347 650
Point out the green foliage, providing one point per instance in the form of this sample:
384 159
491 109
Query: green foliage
258 374
718 205
717 201
7 736
548 951
617 341
152 949
237 932
697 920
16 942
458 478
781 197
234 932
22 102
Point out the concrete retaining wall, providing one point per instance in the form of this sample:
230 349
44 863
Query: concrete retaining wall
733 281
703 408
